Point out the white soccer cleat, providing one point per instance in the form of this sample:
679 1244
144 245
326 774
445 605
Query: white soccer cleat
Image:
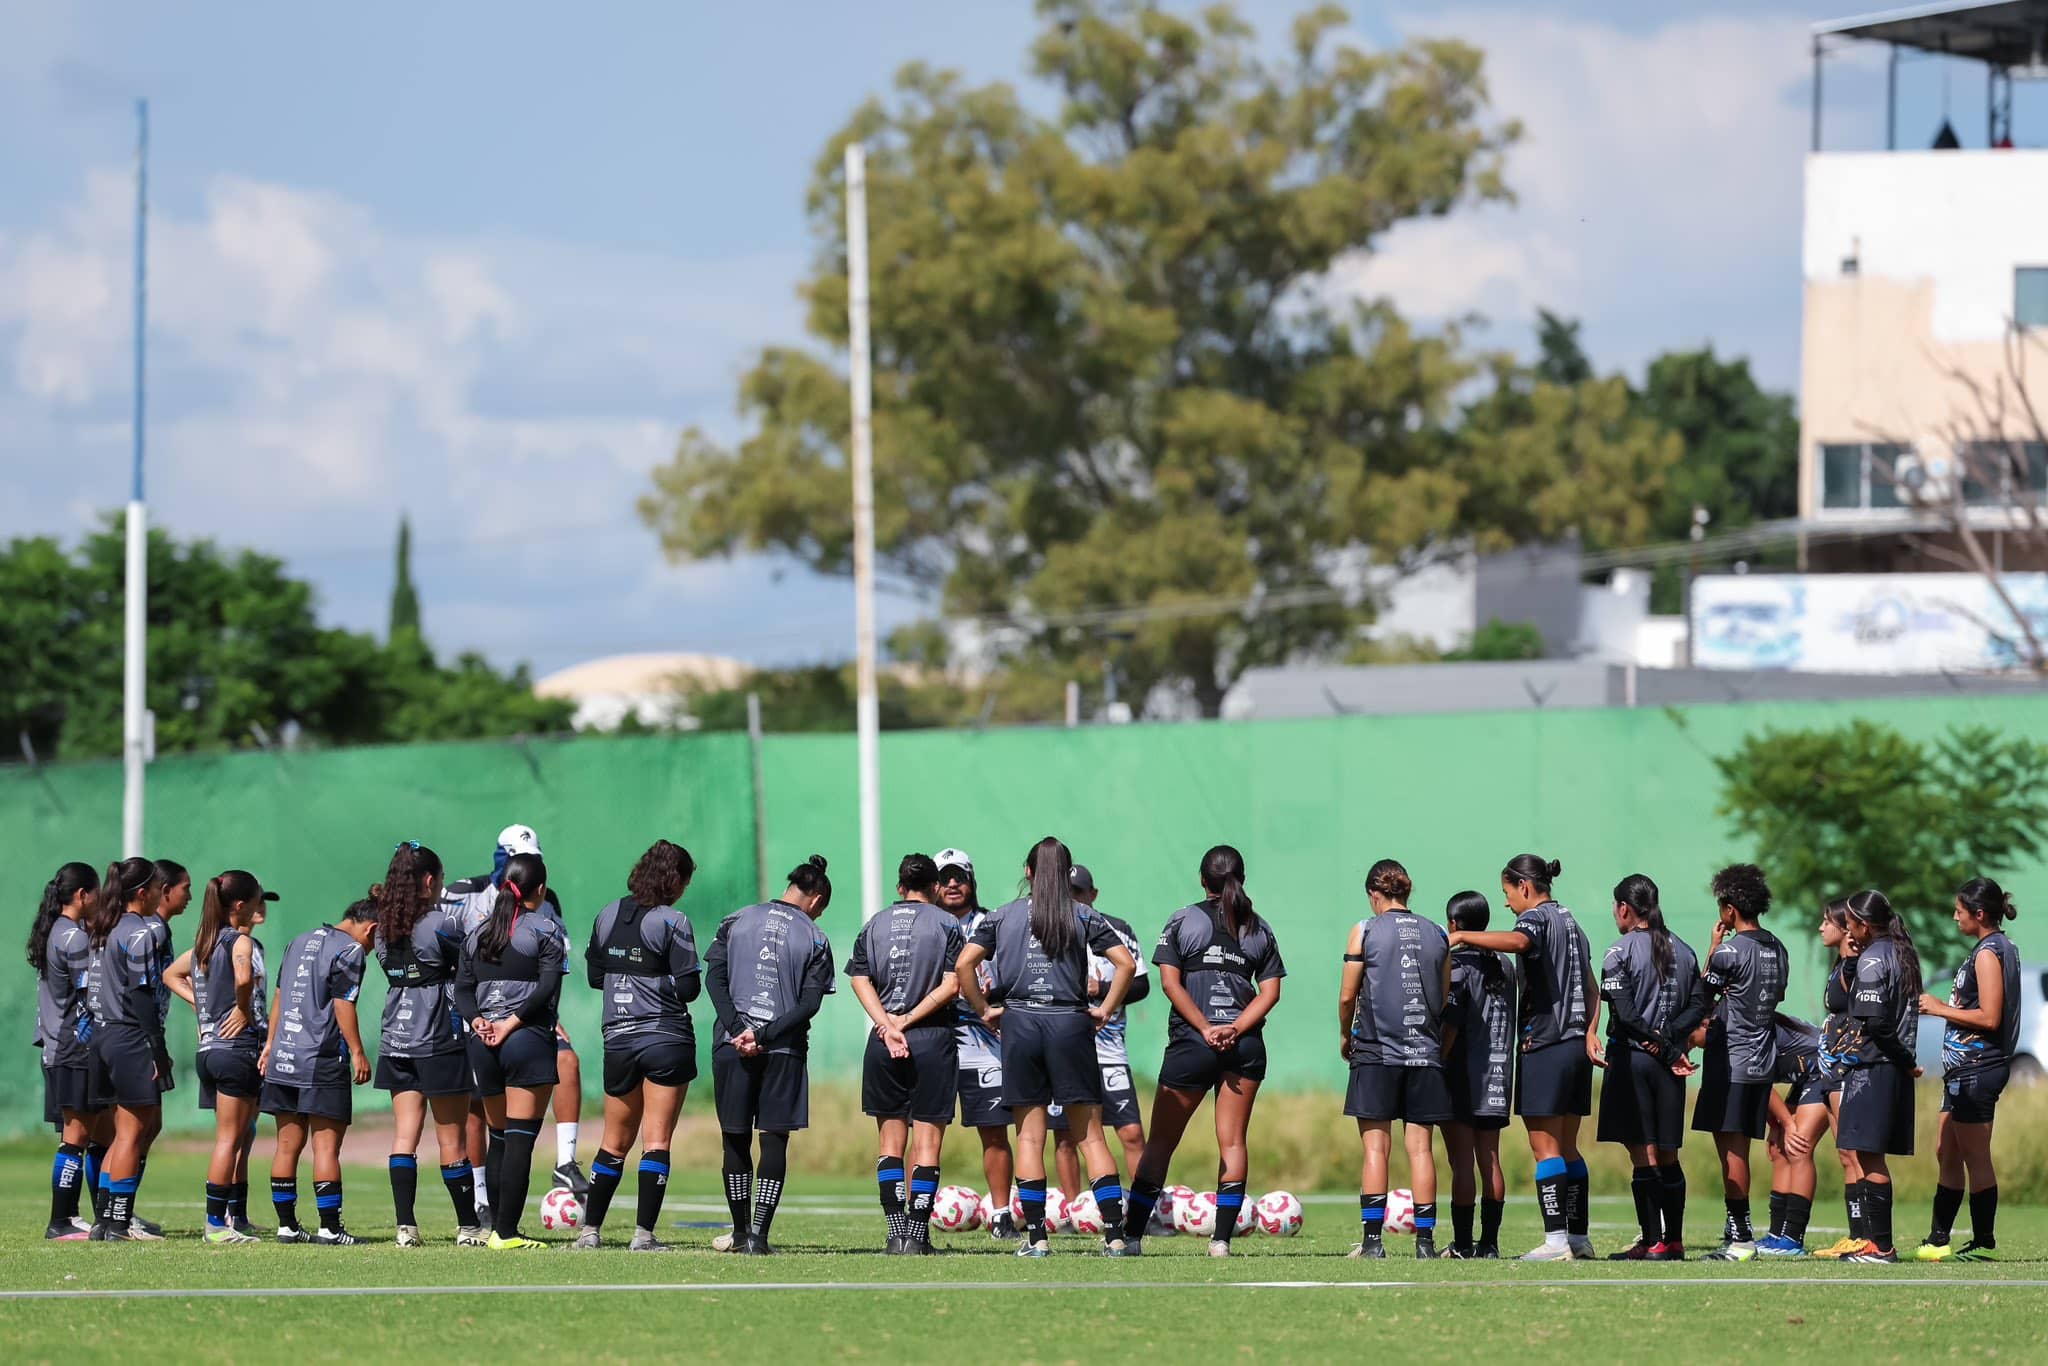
1218 1248
725 1242
1548 1252
409 1236
472 1235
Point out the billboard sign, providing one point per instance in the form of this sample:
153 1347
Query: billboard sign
1863 623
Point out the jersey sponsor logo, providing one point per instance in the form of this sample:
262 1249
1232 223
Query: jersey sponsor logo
1116 1078
1870 998
991 1077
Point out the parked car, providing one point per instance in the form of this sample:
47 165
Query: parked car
2030 1058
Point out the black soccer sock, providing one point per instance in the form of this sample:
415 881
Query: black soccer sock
1031 1195
739 1181
494 1166
607 1169
924 1191
514 1175
1425 1219
95 1166
461 1183
1852 1199
1138 1207
1550 1182
1737 1228
1372 1216
1490 1211
1672 1203
768 1181
1948 1202
67 1173
238 1203
1877 1213
1798 1211
1109 1199
405 1186
1461 1226
1578 1186
653 1188
1646 1189
1778 1199
327 1200
889 1188
216 1205
1229 1200
120 1203
284 1198
1984 1217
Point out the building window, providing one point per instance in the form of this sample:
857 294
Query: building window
2030 296
1856 475
1885 463
1997 472
1841 476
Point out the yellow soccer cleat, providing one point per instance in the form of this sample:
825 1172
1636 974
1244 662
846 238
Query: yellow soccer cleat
1933 1252
516 1243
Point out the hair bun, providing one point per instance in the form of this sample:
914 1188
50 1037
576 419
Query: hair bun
816 861
1554 868
2012 912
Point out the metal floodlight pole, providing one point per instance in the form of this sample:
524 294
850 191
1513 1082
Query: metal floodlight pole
868 709
134 672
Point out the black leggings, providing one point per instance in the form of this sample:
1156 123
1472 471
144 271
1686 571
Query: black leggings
739 1155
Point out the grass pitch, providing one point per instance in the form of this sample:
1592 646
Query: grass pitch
831 1295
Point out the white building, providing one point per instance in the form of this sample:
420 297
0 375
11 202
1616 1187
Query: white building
648 687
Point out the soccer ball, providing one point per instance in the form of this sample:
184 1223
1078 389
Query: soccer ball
560 1208
1400 1212
1279 1214
956 1209
1247 1217
1084 1215
1161 1224
985 1212
1055 1209
1196 1214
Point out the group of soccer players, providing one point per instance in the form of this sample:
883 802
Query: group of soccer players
1011 1017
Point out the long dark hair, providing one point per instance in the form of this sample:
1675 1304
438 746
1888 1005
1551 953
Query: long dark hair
1987 900
68 882
525 875
1874 909
171 872
1639 894
661 875
1223 880
122 883
1049 865
809 878
1534 869
222 891
399 898
1467 911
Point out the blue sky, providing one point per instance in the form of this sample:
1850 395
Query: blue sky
481 263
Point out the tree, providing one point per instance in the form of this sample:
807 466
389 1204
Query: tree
405 600
1501 640
1112 393
1828 812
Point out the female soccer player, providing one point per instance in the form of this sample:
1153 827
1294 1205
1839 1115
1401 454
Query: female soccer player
1219 965
768 972
422 1058
1554 1089
1479 1068
1842 1044
1795 1124
979 1050
643 956
1647 979
1877 1093
903 969
1982 1016
60 950
307 1068
121 996
508 985
222 978
1746 975
1390 1007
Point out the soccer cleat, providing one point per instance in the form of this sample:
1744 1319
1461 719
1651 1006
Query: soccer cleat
1486 1252
1582 1248
1219 1247
97 1233
1841 1247
1665 1252
756 1245
1933 1252
516 1243
1425 1247
244 1227
1122 1247
727 1242
225 1235
1040 1248
1731 1252
897 1246
335 1237
471 1235
1978 1252
1457 1252
1003 1227
569 1177
922 1247
1780 1245
1638 1251
409 1236
1547 1251
1369 1249
293 1234
67 1232
643 1241
589 1240
1873 1256
150 1229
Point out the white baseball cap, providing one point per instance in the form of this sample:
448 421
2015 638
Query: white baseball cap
954 858
519 839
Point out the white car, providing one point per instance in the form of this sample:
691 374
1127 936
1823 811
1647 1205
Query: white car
2030 1057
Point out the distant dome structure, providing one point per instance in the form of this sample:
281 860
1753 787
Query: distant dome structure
648 687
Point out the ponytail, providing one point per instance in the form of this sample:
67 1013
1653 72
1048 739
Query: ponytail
1639 894
1987 900
1050 864
124 881
68 882
1873 908
1534 869
525 875
1223 880
227 889
399 898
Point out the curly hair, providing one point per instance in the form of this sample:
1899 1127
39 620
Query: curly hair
399 898
1742 886
661 875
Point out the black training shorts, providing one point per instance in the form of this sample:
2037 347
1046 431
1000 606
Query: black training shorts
66 1088
1726 1105
1191 1065
1877 1111
1049 1058
438 1074
1554 1080
227 1072
525 1060
771 1093
1972 1097
660 1058
321 1101
124 1068
1415 1095
1641 1101
920 1087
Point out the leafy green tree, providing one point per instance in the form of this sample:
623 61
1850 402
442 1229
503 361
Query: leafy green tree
1109 390
1828 812
405 599
1501 640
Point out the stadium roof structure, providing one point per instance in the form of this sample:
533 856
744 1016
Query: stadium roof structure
2008 36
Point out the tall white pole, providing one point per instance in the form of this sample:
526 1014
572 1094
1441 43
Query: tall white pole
868 716
135 673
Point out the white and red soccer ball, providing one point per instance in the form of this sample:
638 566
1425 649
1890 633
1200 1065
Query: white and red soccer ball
1055 1209
1279 1214
1195 1214
1084 1216
560 1209
956 1209
1400 1212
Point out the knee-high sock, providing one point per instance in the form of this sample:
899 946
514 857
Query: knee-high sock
1577 1187
1109 1198
216 1205
889 1190
1948 1202
67 1174
1372 1216
653 1188
607 1169
515 1175
1143 1199
1852 1200
1672 1202
284 1198
1984 1216
1490 1211
1877 1212
924 1189
461 1184
1798 1211
739 1181
1644 1186
1778 1199
238 1202
768 1179
405 1186
494 1165
1031 1195
1229 1200
95 1164
327 1200
1461 1225
1550 1183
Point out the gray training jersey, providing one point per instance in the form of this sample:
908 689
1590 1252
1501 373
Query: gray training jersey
322 966
1221 972
772 952
1481 1067
527 978
1398 1021
1555 1002
644 959
907 951
166 954
126 963
213 995
1748 973
1630 985
1029 978
62 1025
1965 1050
1112 1041
420 1019
1884 998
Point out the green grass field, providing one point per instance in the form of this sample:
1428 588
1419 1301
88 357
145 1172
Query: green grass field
829 1295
